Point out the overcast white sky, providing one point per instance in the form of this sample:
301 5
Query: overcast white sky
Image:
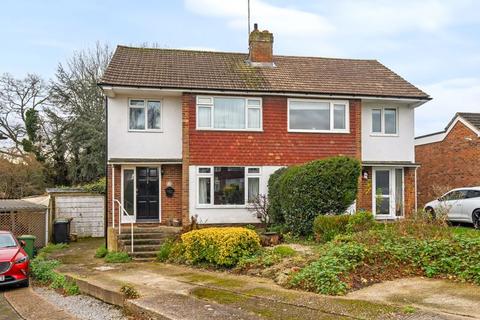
435 44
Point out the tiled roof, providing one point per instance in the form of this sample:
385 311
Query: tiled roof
472 118
197 70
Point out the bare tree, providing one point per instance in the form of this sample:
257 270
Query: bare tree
20 102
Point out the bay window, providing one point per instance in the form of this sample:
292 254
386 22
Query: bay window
144 114
384 121
227 186
227 113
317 116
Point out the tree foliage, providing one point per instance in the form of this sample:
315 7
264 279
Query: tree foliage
60 124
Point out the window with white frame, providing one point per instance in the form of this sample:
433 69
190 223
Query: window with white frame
317 116
384 121
144 114
229 113
227 185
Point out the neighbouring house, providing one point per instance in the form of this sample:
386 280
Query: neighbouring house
449 158
197 133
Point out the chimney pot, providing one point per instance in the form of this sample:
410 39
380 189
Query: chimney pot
260 47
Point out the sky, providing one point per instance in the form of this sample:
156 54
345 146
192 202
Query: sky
434 44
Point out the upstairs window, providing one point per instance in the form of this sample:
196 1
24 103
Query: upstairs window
144 115
384 121
226 113
317 116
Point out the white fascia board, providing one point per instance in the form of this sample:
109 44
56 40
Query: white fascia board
111 91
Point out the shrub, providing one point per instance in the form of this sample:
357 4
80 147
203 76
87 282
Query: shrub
220 246
284 251
96 186
165 250
129 291
325 275
318 187
101 252
328 226
360 221
274 209
43 271
117 257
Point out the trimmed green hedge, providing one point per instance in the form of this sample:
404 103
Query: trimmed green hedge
326 186
274 208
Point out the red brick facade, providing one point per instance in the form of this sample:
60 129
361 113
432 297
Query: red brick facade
274 145
451 163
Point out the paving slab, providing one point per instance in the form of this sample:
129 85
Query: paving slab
30 306
6 310
447 297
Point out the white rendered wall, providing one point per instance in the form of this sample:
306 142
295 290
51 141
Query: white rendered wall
217 215
123 143
400 147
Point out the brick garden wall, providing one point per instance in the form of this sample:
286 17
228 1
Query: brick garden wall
451 163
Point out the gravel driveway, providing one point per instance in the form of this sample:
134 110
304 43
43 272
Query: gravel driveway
83 307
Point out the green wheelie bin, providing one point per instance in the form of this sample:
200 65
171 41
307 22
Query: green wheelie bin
29 244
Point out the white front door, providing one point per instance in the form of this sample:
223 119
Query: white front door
387 192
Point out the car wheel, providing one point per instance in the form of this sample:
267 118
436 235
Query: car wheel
430 213
476 219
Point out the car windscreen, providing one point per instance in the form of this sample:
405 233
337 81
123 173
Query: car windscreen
7 241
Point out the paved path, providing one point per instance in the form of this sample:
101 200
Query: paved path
6 310
31 306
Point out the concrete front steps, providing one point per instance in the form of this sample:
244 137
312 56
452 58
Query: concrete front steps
146 240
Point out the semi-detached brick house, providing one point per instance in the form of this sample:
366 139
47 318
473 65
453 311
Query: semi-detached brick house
450 158
195 133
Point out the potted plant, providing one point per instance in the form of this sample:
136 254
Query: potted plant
259 207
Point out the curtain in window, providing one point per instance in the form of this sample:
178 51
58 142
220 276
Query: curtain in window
398 192
254 118
204 190
253 188
339 115
137 118
229 113
204 117
153 114
309 115
391 121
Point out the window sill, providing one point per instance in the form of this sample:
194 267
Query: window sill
384 135
232 130
319 131
221 206
146 131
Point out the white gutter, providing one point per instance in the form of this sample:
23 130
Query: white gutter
416 102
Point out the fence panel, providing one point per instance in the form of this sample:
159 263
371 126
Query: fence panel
20 223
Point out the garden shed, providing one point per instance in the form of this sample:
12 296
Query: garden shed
23 217
86 209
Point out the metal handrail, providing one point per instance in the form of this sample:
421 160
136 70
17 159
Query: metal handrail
120 206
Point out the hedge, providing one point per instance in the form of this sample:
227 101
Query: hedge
220 246
274 208
326 186
326 227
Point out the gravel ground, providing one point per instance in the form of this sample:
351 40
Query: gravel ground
81 306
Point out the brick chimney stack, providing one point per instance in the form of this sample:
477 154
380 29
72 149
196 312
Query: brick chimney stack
260 48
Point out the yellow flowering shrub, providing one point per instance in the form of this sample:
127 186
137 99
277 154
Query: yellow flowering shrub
220 246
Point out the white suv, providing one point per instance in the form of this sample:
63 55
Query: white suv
460 205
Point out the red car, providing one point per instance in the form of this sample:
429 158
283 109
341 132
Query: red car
14 262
